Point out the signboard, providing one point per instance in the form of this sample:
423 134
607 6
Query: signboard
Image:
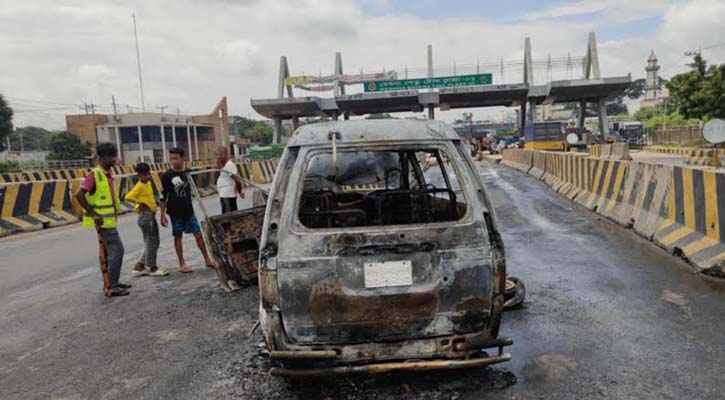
428 83
714 131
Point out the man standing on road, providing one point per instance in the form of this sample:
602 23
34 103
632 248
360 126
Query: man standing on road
228 184
176 201
100 204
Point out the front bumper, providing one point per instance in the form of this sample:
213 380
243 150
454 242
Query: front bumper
467 355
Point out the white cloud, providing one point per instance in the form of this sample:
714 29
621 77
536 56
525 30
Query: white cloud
567 10
193 53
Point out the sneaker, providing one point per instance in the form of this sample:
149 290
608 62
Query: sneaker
124 286
141 272
118 292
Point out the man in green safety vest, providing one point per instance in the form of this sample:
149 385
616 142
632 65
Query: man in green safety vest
101 204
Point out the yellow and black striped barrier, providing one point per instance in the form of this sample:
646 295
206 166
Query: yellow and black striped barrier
29 206
681 209
695 216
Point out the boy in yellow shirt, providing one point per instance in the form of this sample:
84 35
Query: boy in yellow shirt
142 195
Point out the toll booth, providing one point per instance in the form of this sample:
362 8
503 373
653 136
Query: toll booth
545 136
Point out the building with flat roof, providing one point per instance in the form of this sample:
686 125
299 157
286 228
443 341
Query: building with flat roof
149 136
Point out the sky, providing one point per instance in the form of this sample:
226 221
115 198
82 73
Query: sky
57 55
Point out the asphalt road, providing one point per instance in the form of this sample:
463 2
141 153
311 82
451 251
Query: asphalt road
608 315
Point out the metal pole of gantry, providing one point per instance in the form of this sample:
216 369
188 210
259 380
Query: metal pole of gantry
164 156
196 143
118 143
188 141
140 142
431 107
582 112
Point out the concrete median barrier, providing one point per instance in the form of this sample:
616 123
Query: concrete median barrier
518 159
618 152
695 218
33 205
30 206
679 208
538 167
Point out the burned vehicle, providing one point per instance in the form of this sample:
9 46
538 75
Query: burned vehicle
379 253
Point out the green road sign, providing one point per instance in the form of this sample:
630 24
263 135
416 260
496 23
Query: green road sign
428 83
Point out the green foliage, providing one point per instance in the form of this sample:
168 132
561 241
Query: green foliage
67 146
9 166
699 93
6 121
33 139
260 133
241 124
652 118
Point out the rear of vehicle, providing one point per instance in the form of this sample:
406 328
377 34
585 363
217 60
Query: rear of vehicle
379 253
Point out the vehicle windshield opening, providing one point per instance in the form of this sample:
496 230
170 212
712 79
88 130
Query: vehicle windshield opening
386 187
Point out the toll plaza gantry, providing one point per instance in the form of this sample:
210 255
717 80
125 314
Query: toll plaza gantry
591 89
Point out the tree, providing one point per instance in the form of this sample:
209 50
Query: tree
699 93
67 146
241 124
33 138
260 133
6 121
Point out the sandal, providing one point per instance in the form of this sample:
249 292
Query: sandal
159 272
184 269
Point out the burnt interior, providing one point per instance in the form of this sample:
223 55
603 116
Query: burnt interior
372 188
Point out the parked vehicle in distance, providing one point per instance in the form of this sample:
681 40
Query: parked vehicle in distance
379 252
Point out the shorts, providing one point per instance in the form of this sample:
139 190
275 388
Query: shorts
179 226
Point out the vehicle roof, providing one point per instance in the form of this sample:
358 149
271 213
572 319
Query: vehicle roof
363 131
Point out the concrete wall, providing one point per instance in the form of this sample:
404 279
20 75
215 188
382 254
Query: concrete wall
84 125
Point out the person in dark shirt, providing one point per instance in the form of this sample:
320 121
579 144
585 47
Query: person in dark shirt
176 202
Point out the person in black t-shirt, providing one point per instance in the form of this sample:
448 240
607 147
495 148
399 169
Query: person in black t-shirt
176 201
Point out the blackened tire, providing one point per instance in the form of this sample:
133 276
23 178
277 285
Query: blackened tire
514 293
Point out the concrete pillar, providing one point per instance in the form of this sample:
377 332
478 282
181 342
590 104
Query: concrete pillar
582 112
603 123
188 141
236 150
532 112
196 143
140 141
164 156
221 128
277 130
522 116
295 123
173 134
431 111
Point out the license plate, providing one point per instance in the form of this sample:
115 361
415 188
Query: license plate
388 273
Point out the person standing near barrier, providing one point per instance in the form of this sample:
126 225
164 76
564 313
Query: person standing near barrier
176 202
228 184
142 196
100 204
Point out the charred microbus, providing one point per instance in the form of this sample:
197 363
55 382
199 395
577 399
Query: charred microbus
379 252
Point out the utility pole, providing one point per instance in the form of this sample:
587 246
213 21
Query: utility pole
138 62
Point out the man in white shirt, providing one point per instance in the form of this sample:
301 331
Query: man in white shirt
228 184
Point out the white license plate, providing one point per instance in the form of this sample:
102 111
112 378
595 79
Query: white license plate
388 273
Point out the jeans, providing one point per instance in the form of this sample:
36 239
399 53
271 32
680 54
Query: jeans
229 204
150 231
114 253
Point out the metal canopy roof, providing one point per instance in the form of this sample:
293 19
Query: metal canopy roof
484 96
369 103
564 91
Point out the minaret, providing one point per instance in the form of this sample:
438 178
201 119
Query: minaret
652 86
